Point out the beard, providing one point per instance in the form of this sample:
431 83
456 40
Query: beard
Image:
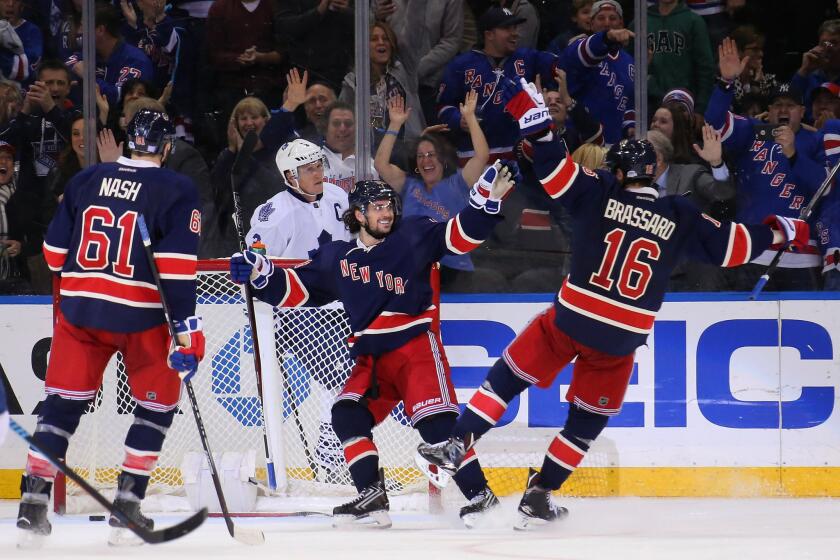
377 234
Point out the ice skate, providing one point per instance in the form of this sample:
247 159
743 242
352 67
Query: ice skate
32 513
478 508
128 503
537 508
369 508
447 454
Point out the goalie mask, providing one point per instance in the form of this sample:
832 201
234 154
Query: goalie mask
293 155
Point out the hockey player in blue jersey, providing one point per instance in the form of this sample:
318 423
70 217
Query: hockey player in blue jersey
382 278
600 74
484 70
109 303
626 241
777 173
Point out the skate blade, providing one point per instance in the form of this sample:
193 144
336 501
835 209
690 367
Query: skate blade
528 523
29 540
481 520
120 536
373 520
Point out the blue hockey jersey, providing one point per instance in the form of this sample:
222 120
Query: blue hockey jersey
601 76
385 288
22 67
125 62
106 282
768 182
625 243
828 210
477 71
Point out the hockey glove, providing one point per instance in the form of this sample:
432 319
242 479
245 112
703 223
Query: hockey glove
491 188
251 266
187 350
796 232
526 105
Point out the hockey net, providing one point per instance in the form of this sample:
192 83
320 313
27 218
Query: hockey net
310 364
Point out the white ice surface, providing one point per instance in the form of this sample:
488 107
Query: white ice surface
599 528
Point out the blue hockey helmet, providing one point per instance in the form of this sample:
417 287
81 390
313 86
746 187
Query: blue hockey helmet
635 158
149 131
365 192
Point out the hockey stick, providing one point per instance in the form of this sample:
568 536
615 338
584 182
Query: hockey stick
152 537
245 151
805 214
244 535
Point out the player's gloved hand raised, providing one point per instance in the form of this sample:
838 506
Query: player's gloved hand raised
491 188
525 104
249 266
187 350
795 231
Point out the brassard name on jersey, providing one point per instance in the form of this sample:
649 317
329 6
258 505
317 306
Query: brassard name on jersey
118 188
646 220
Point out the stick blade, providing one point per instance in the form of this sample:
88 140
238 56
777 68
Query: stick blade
176 531
248 535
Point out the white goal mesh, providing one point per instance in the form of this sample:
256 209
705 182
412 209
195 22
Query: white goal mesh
312 362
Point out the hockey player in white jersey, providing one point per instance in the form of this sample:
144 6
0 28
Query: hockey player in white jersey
291 225
307 213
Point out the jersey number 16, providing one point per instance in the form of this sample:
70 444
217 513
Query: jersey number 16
634 274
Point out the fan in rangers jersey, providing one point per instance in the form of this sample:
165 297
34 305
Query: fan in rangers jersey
626 241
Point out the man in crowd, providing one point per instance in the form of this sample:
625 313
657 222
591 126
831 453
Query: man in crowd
340 146
778 166
600 74
485 70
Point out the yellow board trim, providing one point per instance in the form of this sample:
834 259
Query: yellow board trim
747 482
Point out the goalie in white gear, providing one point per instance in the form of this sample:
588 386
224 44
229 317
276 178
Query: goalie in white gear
292 224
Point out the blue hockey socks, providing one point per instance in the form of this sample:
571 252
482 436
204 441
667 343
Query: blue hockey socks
569 447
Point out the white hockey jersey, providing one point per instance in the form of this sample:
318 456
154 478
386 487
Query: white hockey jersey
291 227
342 171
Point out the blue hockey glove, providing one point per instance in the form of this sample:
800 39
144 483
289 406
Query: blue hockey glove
187 351
526 105
251 266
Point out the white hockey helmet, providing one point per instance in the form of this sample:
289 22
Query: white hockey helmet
292 155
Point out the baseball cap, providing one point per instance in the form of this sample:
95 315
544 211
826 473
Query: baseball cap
7 147
496 17
681 96
607 5
830 87
785 90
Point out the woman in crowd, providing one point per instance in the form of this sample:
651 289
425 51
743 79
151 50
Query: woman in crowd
388 79
258 181
71 160
672 121
435 188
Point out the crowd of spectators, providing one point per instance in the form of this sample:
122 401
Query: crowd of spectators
743 98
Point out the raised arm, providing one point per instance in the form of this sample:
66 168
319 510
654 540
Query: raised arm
397 115
481 151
